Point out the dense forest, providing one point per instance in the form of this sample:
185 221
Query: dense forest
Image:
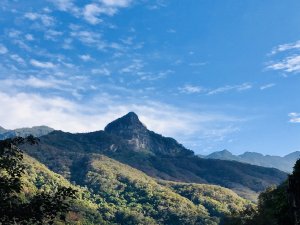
276 206
130 175
113 193
110 193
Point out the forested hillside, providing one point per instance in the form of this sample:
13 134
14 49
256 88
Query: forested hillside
113 193
129 141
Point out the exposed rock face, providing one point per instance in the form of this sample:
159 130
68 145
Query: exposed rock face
130 128
139 138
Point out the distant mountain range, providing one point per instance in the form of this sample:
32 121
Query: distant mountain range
128 141
284 163
23 132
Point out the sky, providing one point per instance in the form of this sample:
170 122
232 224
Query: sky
212 74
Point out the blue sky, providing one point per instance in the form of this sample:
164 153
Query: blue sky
212 74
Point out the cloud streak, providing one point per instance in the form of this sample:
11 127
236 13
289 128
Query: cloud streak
294 117
289 58
27 109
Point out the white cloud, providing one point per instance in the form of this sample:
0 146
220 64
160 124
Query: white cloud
241 87
294 117
45 19
267 86
52 34
18 59
151 76
86 58
89 38
135 66
116 3
14 33
198 64
289 64
190 89
24 109
92 11
3 49
286 47
34 82
288 58
29 37
44 65
101 71
67 6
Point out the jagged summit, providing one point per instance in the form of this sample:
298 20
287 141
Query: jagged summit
128 123
139 138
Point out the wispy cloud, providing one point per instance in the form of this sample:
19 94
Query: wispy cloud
241 87
29 37
51 34
3 49
18 59
134 67
267 86
45 19
89 38
86 58
27 109
290 64
35 82
191 89
294 117
101 71
40 64
286 47
288 58
67 6
116 3
91 13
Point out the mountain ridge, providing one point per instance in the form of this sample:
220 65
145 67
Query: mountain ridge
284 163
157 156
36 131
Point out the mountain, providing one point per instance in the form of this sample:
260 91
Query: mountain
224 155
128 141
117 194
139 138
284 163
36 131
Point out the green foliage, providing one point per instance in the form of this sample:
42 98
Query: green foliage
60 151
273 205
119 194
217 200
42 208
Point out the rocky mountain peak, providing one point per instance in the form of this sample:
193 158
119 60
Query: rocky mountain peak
128 124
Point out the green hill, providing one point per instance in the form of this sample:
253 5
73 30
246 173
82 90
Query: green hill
130 142
115 193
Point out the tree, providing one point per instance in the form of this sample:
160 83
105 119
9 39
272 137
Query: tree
42 208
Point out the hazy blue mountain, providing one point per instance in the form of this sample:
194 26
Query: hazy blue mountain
36 131
224 155
284 163
130 142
